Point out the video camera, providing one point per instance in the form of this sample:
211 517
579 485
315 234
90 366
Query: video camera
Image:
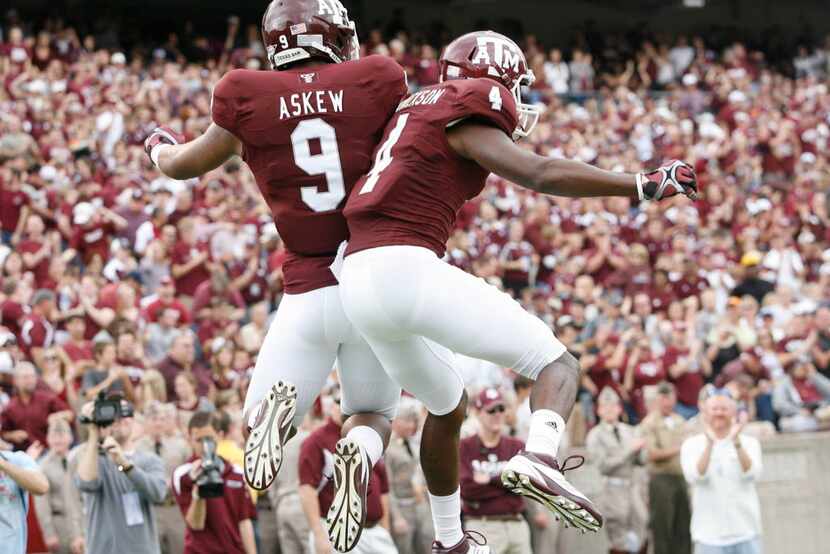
107 410
210 482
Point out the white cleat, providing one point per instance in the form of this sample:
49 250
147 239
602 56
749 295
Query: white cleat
347 515
269 432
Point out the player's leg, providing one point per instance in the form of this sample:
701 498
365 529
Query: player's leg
293 363
426 370
411 289
369 399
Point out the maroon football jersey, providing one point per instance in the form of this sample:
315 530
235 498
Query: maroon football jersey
418 183
308 136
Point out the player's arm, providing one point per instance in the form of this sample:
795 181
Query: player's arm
493 150
194 158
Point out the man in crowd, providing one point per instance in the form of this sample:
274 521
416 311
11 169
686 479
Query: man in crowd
182 358
19 476
317 489
163 438
411 525
218 525
664 431
26 418
36 332
488 507
615 449
120 487
722 466
59 511
106 376
802 397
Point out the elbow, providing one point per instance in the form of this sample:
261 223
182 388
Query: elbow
40 486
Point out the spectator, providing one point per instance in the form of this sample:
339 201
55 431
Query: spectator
722 466
752 283
802 398
59 512
19 476
615 448
487 506
557 73
187 401
159 337
76 346
182 358
292 526
191 261
120 488
214 525
252 334
411 522
36 330
317 491
821 350
669 512
163 438
25 420
106 376
166 299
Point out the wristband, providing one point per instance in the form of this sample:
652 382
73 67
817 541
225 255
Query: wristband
641 180
156 152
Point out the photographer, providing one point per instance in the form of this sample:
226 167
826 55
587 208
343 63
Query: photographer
119 485
212 495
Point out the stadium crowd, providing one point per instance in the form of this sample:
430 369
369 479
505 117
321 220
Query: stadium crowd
116 279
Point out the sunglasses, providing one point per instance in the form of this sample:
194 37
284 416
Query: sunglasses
496 410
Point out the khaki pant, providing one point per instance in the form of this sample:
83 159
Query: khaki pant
293 528
171 529
269 541
503 537
373 540
418 537
545 540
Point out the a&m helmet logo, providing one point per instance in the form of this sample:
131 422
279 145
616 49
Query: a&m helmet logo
499 51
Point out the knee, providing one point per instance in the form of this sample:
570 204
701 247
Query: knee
455 418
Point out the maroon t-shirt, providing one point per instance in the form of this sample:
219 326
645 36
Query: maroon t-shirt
648 371
204 295
308 135
317 470
11 316
182 253
35 332
41 270
32 417
221 533
78 351
11 204
418 182
491 499
169 368
689 384
91 240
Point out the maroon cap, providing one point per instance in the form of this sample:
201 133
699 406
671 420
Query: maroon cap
488 398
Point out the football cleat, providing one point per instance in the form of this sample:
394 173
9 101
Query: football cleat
347 514
472 543
540 478
269 431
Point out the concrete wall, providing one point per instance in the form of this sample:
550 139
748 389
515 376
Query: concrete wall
794 490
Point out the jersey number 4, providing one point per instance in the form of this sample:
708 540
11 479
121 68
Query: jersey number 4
383 158
326 162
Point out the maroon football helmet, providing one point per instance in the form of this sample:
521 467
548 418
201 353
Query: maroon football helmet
297 30
490 55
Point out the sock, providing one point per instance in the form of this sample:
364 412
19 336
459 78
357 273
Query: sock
369 439
446 518
546 429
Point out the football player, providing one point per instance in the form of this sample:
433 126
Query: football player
415 310
307 130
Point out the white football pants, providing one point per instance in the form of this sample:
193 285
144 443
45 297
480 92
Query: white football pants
415 310
310 332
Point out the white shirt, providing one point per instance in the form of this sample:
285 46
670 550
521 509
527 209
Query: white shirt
725 505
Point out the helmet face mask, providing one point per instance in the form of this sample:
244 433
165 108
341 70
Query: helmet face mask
298 30
490 55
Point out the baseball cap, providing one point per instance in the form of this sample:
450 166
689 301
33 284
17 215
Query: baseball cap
751 258
489 398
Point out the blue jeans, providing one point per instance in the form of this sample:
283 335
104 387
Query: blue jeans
687 412
5 237
747 547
